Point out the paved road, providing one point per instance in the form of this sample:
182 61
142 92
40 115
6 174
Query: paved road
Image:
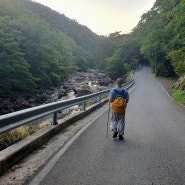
153 152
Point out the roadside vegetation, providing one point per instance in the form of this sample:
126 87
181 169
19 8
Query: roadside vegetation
179 96
9 138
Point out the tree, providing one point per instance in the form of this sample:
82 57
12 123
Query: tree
157 34
14 70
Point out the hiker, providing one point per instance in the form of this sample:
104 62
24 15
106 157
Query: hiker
118 119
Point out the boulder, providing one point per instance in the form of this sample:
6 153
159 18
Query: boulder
81 83
105 81
83 90
180 84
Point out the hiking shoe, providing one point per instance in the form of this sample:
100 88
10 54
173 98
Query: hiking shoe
115 134
121 137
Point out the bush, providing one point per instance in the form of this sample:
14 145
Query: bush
179 96
9 138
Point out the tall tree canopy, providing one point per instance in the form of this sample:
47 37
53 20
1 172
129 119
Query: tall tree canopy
40 50
161 35
39 46
14 69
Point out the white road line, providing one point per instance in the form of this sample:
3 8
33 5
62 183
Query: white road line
53 161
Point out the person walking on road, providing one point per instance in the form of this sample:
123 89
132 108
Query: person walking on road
118 117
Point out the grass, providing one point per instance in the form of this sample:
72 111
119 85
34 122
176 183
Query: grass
179 96
129 77
9 138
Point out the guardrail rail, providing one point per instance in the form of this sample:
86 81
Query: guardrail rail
16 119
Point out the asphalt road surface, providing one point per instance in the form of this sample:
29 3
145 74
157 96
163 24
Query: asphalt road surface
153 152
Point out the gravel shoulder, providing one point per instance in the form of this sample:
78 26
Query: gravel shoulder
24 170
167 83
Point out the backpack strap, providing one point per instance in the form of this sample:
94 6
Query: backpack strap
120 94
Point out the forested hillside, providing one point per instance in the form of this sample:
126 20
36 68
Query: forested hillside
88 43
159 38
39 46
161 33
34 50
82 35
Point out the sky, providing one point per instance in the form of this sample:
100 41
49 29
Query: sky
102 16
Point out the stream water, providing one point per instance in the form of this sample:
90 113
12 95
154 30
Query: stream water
72 109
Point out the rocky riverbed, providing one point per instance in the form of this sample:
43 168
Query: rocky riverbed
76 84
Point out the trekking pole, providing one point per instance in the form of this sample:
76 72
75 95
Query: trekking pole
108 122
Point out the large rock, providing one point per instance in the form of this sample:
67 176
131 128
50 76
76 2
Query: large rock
6 106
180 84
83 90
81 83
105 81
84 83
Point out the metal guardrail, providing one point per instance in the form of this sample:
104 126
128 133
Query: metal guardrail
23 117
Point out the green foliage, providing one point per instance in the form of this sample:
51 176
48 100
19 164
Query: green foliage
158 37
39 46
179 96
12 137
14 70
9 138
121 53
35 52
116 67
80 35
161 34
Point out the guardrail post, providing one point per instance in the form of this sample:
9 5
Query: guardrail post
83 106
19 118
55 119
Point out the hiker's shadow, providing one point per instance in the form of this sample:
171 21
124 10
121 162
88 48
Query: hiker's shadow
126 145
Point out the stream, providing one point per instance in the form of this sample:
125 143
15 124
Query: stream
72 109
